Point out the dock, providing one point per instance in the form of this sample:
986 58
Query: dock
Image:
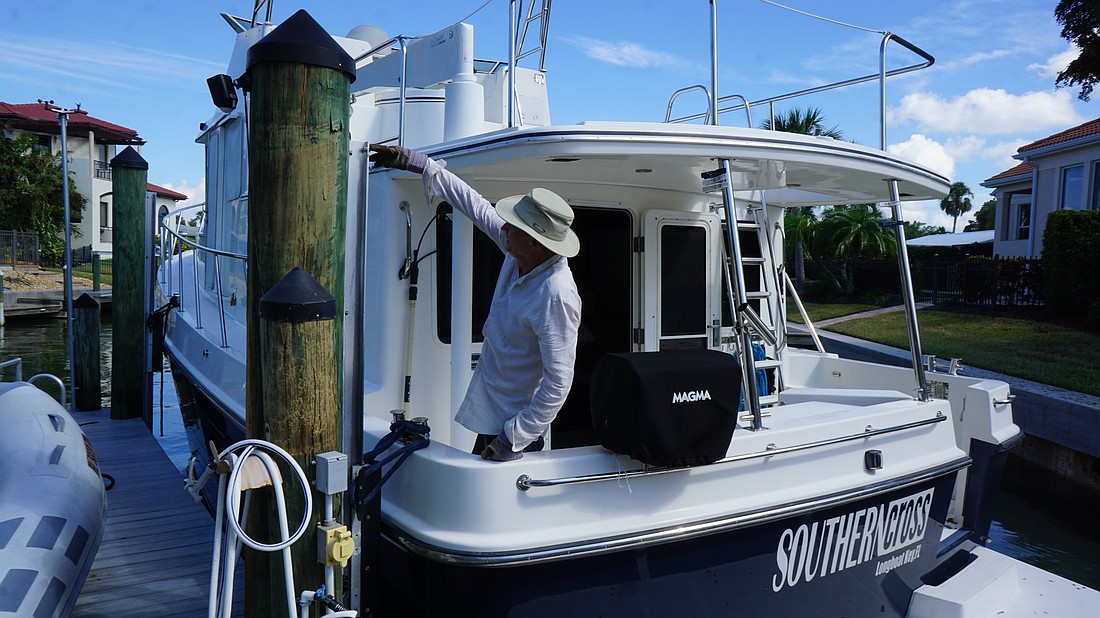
154 559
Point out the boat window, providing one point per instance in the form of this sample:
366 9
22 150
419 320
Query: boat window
683 286
487 261
213 184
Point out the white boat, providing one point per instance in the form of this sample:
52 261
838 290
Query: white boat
52 504
846 488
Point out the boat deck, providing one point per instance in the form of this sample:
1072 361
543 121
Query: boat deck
154 559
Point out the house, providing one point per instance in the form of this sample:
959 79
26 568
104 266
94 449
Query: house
1057 172
960 239
91 143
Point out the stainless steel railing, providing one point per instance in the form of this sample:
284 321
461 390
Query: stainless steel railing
172 243
525 482
880 76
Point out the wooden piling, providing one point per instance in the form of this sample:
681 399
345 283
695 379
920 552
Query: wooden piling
87 393
300 399
129 173
297 208
96 273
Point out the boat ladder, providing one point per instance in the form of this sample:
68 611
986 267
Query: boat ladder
760 293
750 286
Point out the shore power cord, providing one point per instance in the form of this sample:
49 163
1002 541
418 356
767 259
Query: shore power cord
244 466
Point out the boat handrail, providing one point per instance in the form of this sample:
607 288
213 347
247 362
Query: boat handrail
543 17
168 234
802 311
60 385
881 76
16 362
165 226
684 90
525 482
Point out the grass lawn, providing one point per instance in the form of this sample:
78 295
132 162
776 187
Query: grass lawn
1027 347
825 311
85 270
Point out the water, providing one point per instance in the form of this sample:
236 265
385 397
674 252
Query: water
42 345
1048 522
1039 518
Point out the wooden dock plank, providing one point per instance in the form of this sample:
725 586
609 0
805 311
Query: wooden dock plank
154 559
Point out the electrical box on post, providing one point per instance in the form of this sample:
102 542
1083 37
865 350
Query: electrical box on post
331 477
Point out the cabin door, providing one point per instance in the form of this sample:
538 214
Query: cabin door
682 303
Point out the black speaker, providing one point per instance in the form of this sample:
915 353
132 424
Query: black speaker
668 408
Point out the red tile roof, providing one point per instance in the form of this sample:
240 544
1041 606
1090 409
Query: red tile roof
35 117
161 191
1019 170
1091 127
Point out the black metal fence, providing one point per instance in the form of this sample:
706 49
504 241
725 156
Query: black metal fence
966 280
81 259
18 248
992 281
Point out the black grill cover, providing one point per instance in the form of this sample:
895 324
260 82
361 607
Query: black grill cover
669 408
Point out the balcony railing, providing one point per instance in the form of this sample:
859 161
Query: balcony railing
102 170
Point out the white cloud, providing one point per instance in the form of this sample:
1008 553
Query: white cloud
986 111
1056 63
926 152
195 192
976 58
102 66
628 54
1001 152
929 213
965 147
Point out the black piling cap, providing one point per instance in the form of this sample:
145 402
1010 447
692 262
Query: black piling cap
129 158
297 298
85 302
301 40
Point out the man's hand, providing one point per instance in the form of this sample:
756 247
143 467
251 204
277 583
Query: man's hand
398 158
500 449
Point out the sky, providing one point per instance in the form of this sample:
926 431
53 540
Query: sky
144 64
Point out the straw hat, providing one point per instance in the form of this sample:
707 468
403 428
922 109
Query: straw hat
545 216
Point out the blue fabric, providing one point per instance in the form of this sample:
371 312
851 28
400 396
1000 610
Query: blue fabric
758 353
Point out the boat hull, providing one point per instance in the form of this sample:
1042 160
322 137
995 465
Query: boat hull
829 562
204 422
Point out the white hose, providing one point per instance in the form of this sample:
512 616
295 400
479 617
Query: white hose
230 521
234 493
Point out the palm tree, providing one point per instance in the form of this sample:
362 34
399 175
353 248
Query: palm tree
809 121
799 224
956 202
853 231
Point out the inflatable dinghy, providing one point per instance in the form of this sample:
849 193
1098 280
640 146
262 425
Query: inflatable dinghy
52 504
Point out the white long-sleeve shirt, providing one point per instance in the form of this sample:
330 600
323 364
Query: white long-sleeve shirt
526 365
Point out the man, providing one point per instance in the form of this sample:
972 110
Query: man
526 365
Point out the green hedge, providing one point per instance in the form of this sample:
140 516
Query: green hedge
1071 250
